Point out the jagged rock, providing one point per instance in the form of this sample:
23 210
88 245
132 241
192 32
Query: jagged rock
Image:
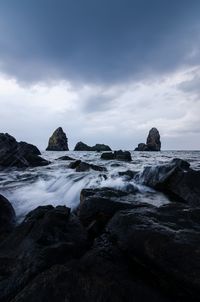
81 166
118 155
153 142
14 154
176 179
58 141
47 236
7 217
165 243
65 158
80 146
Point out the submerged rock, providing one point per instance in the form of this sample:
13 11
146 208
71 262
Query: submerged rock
14 154
176 179
65 158
153 142
118 155
80 146
81 166
58 141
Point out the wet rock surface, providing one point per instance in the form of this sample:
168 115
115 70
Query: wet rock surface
113 247
177 179
58 141
21 155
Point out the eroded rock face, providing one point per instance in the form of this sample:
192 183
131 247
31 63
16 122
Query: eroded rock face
176 179
21 155
58 141
80 146
153 142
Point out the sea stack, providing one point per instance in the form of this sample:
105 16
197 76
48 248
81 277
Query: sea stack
153 142
58 141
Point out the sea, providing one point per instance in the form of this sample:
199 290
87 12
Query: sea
57 184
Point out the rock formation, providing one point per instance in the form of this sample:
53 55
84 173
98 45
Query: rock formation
118 155
14 154
81 166
58 141
80 146
153 142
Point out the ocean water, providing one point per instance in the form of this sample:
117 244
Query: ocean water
56 184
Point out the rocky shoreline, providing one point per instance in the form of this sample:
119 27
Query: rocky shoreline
112 247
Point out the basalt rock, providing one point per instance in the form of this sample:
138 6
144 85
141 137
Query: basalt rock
176 179
65 158
21 155
165 243
58 141
153 142
48 236
118 155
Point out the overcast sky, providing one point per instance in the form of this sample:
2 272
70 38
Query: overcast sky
105 70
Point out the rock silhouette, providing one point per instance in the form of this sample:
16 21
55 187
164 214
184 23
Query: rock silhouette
80 146
153 142
58 141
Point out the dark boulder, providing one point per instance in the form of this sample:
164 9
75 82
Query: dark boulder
81 166
80 146
153 142
176 179
48 236
21 155
58 141
164 242
7 217
118 155
26 149
65 158
100 148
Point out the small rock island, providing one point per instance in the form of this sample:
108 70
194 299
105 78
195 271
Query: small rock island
153 142
58 141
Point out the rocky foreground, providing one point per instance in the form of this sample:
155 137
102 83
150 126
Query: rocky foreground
111 248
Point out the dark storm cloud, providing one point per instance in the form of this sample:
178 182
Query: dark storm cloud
96 40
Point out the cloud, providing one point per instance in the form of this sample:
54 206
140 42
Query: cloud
97 41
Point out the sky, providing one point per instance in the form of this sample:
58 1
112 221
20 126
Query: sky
106 71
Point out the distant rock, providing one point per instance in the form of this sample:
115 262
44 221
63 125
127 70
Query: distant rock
118 155
80 146
153 142
58 141
21 155
101 148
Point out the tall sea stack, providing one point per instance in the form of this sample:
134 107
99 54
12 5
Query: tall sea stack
58 141
153 142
